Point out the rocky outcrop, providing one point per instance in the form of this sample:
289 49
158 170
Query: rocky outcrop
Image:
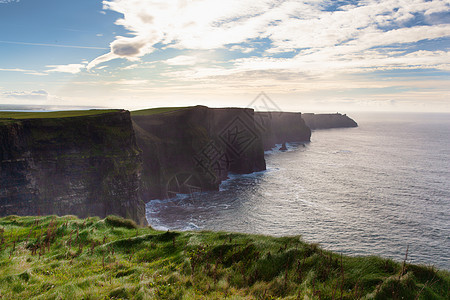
193 149
281 127
326 121
86 166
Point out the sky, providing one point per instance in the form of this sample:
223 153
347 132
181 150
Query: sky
310 56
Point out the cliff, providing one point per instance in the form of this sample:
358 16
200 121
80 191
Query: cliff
281 127
192 149
326 121
82 163
96 163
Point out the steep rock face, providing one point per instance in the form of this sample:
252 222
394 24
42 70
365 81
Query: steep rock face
281 127
86 166
325 121
193 149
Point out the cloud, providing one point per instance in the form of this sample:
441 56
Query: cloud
308 28
33 95
14 70
16 99
8 1
70 68
183 60
28 72
52 45
241 49
130 82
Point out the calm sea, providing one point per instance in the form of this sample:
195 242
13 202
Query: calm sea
371 190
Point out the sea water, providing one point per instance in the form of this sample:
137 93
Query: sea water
372 190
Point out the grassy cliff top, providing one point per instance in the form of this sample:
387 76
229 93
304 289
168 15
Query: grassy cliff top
154 111
69 258
53 114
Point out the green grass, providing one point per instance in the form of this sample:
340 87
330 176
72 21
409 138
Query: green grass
69 258
154 111
53 114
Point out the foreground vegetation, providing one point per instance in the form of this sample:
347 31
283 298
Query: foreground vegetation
69 258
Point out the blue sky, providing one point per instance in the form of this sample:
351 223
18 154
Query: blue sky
316 55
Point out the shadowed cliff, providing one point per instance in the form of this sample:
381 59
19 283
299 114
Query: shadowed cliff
96 163
192 149
281 127
82 163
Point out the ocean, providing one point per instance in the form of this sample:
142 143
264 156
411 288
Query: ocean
377 189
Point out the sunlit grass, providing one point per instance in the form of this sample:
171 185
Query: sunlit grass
69 258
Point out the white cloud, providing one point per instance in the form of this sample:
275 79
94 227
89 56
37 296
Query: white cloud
33 95
15 99
52 45
301 48
14 70
130 82
242 49
70 68
130 67
28 72
139 65
290 25
183 60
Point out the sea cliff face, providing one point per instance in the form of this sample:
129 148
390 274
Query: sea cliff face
96 164
326 121
281 127
193 149
86 166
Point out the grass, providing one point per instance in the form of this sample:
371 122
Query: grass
69 258
53 114
121 222
154 111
